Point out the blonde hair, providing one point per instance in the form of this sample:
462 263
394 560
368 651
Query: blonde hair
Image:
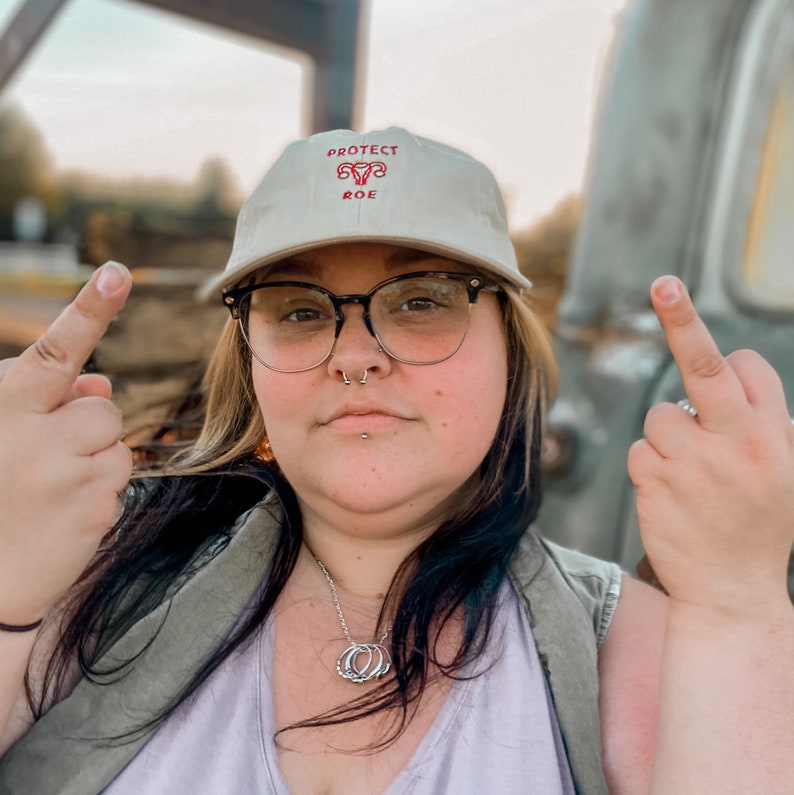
233 425
532 375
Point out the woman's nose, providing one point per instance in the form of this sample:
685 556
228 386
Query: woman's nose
357 356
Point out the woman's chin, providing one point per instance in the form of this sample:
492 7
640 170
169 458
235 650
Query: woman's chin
401 502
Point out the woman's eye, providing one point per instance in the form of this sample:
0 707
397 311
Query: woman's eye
300 309
419 304
303 315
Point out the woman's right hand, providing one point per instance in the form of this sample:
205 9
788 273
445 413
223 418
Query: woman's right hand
62 465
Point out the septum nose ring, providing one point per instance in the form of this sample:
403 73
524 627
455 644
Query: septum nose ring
347 380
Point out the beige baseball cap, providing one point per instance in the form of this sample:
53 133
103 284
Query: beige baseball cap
387 186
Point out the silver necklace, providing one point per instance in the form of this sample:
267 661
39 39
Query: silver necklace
359 662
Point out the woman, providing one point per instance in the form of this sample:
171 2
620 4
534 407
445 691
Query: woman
335 590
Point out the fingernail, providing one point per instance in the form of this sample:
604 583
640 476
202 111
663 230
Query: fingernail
111 278
668 290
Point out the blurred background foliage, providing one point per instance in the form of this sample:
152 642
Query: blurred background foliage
25 168
144 223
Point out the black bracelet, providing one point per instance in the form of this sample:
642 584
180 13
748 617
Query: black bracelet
20 627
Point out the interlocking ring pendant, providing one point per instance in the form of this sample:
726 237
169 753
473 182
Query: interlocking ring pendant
360 662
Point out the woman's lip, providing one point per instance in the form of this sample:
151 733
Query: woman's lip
363 408
363 422
364 417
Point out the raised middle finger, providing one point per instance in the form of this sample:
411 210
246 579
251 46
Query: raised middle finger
710 381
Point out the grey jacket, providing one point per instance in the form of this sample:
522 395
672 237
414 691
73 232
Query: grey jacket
569 599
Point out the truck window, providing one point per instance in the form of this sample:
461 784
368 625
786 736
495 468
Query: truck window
767 271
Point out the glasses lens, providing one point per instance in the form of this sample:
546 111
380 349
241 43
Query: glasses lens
421 320
289 328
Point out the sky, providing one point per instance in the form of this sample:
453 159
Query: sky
122 90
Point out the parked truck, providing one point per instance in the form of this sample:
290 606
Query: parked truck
691 173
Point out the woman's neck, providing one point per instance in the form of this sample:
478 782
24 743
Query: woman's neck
363 554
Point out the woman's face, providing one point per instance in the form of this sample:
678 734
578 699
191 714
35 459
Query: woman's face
427 427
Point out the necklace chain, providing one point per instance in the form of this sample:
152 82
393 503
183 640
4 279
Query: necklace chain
359 662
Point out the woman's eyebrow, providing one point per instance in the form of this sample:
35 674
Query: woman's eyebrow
407 256
293 266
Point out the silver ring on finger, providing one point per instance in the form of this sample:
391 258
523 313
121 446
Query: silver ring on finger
687 407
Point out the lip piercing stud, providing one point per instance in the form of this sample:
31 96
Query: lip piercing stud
364 436
346 379
363 378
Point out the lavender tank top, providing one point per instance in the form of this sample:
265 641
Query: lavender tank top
496 732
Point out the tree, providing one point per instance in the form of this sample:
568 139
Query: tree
215 187
25 167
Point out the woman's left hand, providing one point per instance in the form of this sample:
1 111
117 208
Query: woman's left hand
715 493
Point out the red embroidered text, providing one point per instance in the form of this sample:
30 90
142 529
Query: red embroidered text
363 149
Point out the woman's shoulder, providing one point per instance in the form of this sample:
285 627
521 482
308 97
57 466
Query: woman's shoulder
595 582
538 563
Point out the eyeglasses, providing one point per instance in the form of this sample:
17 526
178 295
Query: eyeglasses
417 318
